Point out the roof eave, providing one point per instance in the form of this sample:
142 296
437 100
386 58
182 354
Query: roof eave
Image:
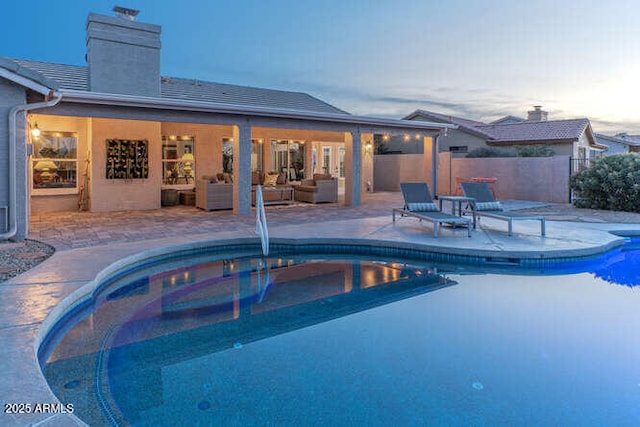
173 104
26 82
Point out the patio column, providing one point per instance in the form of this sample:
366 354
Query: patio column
353 166
242 168
434 163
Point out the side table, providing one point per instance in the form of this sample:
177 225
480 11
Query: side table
459 200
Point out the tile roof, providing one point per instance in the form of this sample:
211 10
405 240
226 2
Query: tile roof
631 140
469 125
77 78
552 130
508 120
505 131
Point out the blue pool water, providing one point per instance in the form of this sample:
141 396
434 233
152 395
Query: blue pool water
343 340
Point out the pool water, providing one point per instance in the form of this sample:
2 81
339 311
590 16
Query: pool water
329 340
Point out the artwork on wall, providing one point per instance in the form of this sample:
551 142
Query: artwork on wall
127 159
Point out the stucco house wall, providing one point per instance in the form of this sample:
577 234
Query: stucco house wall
117 194
10 96
459 138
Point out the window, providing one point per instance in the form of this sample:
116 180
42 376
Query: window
55 163
341 153
289 157
178 160
227 155
326 159
256 155
458 149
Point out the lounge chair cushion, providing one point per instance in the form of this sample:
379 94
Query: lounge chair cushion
422 207
488 206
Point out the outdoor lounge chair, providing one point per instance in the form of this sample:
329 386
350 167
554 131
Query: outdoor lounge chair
419 204
485 204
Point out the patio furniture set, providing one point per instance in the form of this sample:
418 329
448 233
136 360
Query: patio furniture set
213 193
478 198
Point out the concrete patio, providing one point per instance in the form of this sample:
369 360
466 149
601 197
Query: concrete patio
86 243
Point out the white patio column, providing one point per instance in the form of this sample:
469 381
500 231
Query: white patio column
242 168
353 165
434 164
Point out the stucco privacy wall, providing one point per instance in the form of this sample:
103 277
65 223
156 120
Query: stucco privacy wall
390 170
10 96
542 179
119 194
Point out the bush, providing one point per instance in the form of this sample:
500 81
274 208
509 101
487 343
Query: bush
491 152
534 151
611 183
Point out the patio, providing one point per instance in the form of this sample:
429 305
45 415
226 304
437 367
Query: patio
86 243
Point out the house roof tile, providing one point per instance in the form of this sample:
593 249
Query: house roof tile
552 130
466 124
77 78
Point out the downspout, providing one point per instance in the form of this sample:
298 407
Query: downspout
13 143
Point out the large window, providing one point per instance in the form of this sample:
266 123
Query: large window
289 157
326 159
178 160
55 163
257 148
227 155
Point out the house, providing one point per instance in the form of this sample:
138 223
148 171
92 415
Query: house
112 135
620 143
573 137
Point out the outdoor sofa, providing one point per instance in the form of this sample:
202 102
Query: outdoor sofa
323 188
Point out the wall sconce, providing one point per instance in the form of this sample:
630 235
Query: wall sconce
35 132
407 137
368 147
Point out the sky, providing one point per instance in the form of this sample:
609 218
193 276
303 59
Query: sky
479 60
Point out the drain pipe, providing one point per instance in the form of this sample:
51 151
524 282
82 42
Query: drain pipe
13 143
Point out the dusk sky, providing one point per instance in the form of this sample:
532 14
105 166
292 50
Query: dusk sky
475 59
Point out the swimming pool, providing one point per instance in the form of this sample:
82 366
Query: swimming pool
341 339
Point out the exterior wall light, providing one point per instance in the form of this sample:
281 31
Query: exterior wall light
35 132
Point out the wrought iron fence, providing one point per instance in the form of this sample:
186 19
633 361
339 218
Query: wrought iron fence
578 164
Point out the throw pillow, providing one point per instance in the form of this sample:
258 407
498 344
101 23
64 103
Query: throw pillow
422 207
489 206
270 179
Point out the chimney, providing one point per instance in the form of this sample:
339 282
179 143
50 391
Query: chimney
537 115
123 55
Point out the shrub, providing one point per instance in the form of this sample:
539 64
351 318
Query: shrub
611 183
534 151
491 152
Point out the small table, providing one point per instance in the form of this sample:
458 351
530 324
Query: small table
459 200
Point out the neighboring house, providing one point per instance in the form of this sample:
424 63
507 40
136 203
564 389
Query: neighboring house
113 135
620 143
574 138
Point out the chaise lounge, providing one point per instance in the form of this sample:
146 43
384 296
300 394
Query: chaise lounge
418 203
485 204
